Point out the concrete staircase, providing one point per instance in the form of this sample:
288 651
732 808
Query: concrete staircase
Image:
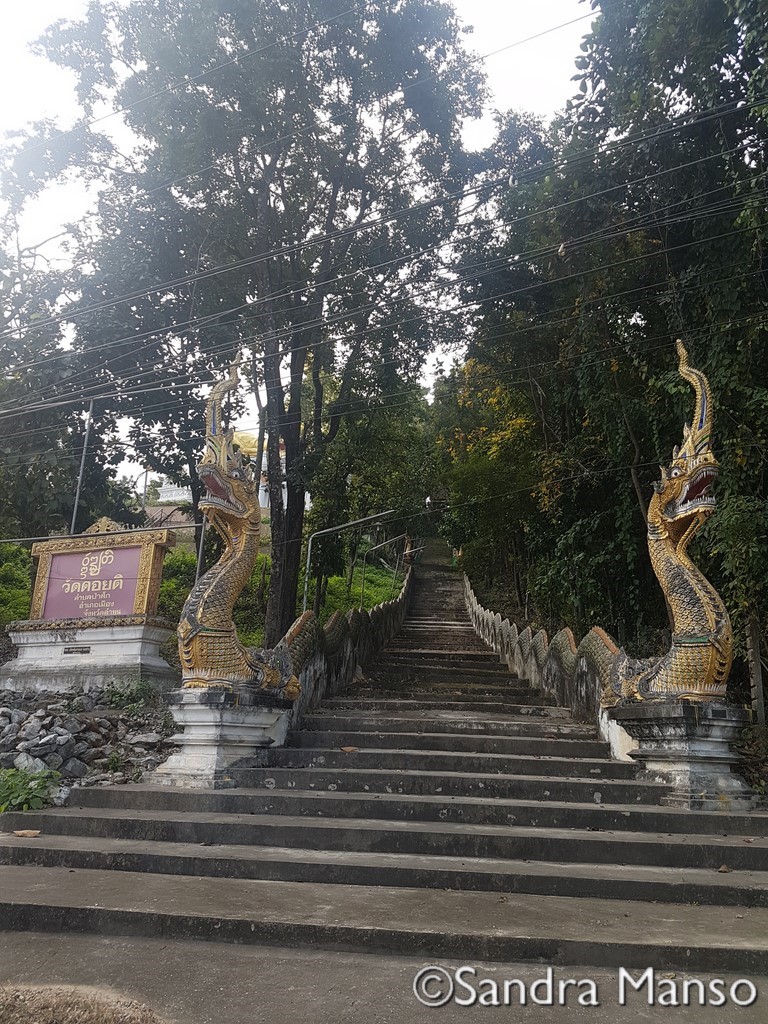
441 809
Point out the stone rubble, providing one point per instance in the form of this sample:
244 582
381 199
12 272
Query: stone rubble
82 737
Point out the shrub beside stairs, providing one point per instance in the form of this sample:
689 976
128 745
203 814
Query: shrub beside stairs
439 809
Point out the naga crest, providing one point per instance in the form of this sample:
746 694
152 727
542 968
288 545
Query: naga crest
684 496
231 489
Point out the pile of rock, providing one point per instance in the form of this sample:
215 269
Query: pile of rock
86 742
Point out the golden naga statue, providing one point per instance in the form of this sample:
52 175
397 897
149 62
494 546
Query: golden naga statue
210 652
697 665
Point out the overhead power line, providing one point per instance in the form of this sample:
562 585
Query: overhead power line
514 375
354 229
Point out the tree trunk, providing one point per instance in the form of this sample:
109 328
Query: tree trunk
351 560
287 531
318 602
291 563
272 620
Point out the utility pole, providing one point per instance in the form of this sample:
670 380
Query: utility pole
82 466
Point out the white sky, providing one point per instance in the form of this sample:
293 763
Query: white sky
534 76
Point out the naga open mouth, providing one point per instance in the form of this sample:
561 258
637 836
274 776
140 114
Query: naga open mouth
698 493
219 493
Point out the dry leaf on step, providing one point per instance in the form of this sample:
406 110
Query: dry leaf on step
27 833
724 869
350 750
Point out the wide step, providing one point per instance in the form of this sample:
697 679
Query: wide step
445 839
430 923
477 743
682 885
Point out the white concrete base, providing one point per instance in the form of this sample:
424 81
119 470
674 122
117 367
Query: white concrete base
220 730
62 660
687 746
621 743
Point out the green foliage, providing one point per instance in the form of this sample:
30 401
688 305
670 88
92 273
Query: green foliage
15 583
248 613
378 589
352 121
21 790
134 701
114 762
753 748
179 570
553 430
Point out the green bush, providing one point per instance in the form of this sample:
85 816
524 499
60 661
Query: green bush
753 748
15 583
248 613
21 790
378 589
179 570
137 700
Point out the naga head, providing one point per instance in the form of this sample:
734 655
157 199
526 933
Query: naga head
231 491
684 496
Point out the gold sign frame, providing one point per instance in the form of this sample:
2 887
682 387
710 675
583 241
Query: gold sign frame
106 534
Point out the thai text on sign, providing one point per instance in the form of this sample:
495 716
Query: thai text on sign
92 584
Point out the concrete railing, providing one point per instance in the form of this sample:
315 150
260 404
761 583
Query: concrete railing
573 675
326 658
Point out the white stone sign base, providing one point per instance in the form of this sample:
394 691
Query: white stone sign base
64 659
220 730
686 745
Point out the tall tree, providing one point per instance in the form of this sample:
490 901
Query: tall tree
638 217
289 186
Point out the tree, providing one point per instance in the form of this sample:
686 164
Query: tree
41 443
290 186
637 217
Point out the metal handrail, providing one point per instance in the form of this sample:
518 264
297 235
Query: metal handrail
384 543
334 529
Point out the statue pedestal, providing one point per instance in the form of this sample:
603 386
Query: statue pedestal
687 746
72 655
221 730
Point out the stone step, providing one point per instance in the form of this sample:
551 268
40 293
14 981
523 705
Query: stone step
447 630
435 924
476 783
416 645
403 807
450 840
450 761
643 883
438 623
445 722
447 694
405 668
477 743
468 658
448 703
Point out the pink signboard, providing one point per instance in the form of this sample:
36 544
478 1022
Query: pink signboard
88 585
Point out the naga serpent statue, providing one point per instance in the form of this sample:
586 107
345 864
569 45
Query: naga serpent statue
211 654
697 665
